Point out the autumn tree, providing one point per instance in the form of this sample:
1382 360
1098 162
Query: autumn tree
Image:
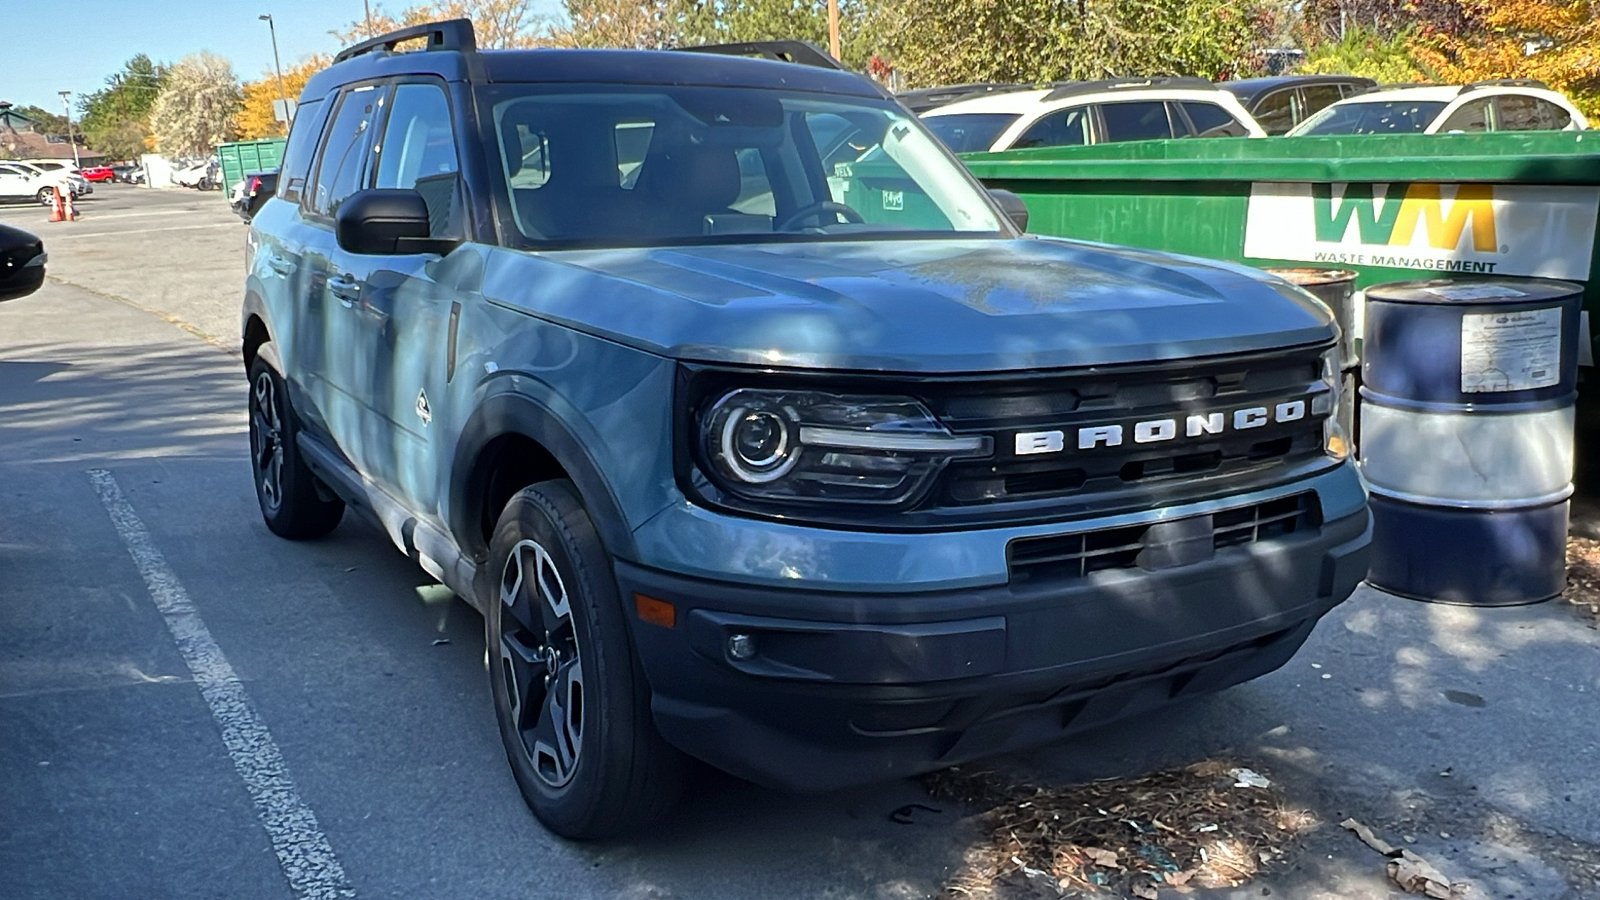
1334 21
195 109
1386 60
257 117
1554 41
716 22
497 24
641 24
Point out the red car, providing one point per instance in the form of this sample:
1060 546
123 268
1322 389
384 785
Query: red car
98 173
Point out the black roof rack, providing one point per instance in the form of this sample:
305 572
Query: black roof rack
452 34
1506 82
801 53
1064 89
924 99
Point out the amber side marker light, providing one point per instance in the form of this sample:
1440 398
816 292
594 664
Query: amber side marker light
656 612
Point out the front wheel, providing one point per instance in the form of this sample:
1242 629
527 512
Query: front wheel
292 502
46 195
569 693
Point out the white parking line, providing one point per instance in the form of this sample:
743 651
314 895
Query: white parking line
132 232
303 851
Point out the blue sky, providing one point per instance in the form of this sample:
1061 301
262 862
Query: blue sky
105 33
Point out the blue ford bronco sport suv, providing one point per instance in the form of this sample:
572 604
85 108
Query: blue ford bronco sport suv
757 429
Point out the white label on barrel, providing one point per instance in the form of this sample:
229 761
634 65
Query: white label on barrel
1510 351
1476 292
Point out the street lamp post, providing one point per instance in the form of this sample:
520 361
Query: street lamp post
278 67
66 103
366 5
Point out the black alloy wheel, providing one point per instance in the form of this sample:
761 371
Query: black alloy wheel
293 502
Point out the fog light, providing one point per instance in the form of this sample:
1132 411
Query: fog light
741 646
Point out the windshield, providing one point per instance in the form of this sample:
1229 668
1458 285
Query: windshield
1373 117
640 165
969 132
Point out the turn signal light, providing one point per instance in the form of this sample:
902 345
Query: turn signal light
656 612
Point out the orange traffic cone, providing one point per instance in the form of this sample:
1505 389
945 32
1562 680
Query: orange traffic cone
70 211
58 212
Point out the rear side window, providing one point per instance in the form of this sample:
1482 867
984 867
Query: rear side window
1211 120
1468 117
1316 97
342 164
1138 120
1062 128
1275 112
1519 113
296 166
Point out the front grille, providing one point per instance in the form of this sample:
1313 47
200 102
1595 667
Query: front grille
1134 475
1160 545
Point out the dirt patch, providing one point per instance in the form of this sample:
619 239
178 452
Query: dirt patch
1583 576
1213 824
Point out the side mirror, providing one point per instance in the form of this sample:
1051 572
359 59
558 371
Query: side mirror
22 259
1012 206
386 222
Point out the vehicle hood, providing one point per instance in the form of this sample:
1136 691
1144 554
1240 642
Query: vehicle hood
970 305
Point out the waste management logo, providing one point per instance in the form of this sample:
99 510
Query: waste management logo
1487 229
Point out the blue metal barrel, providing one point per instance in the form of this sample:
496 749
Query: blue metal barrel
1466 437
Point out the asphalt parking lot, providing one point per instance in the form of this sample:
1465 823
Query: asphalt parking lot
172 677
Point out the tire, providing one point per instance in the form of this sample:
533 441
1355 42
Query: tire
569 693
293 502
46 196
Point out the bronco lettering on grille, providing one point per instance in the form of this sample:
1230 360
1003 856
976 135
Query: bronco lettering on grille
1153 431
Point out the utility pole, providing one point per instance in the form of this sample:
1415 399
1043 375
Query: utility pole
67 104
367 5
278 66
833 28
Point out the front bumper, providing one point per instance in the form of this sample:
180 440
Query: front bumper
868 686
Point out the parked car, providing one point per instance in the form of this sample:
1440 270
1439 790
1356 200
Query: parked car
1508 105
22 262
924 99
1279 103
21 182
822 474
251 192
128 174
56 171
96 174
1095 112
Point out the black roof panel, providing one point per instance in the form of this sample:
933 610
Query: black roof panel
1248 89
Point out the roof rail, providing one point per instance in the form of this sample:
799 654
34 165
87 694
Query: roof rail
451 34
1506 82
1064 89
801 53
924 99
1398 86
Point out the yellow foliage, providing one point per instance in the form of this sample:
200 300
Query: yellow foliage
499 24
1554 41
255 118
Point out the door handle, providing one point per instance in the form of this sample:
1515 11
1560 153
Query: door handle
280 265
347 289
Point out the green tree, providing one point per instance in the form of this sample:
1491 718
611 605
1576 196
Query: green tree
45 121
195 110
116 119
715 22
1386 60
951 41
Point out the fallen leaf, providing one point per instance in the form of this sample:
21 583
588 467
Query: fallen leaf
1145 891
1367 837
1248 778
1101 857
1418 876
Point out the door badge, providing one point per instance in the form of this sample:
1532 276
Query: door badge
424 412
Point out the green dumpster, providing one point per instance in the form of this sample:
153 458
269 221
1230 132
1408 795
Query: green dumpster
240 158
1391 207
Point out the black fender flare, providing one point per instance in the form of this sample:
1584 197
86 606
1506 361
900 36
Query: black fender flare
506 408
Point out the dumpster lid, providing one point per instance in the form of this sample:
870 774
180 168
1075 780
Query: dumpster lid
1444 291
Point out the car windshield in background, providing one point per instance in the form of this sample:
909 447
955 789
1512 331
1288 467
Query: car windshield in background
969 132
635 165
1374 117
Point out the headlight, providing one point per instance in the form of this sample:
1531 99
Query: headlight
1334 441
803 446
